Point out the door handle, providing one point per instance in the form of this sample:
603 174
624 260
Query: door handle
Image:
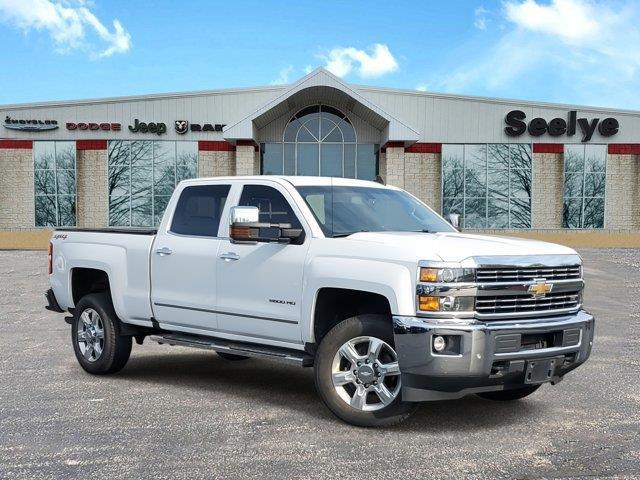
229 256
164 251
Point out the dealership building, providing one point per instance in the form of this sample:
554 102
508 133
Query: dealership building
559 172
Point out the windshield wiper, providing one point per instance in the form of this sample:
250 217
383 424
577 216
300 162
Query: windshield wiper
346 234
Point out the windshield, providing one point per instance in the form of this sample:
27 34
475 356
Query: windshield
342 211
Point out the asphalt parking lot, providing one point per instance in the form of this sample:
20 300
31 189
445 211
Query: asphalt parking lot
179 413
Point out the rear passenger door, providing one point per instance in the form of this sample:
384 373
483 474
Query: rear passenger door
260 284
184 259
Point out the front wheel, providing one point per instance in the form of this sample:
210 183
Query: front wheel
95 336
357 373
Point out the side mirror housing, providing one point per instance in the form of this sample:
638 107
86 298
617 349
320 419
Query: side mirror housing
454 220
246 228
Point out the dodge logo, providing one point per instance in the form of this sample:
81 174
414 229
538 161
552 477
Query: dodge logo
182 126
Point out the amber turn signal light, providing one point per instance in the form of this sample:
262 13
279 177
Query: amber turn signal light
428 274
428 304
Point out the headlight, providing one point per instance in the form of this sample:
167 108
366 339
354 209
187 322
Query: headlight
427 303
446 275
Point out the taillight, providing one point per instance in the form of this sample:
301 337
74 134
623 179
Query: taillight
50 258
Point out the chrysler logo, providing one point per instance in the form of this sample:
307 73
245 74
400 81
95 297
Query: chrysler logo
540 288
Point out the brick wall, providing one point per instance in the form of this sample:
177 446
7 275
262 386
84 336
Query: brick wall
423 177
216 163
395 166
547 190
622 200
247 160
16 189
92 205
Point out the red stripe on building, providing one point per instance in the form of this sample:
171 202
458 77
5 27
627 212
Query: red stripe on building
548 148
215 146
26 144
91 144
425 148
624 148
393 145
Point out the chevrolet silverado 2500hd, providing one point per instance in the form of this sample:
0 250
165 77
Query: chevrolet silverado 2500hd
387 301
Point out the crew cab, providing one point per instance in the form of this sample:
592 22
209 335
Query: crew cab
388 302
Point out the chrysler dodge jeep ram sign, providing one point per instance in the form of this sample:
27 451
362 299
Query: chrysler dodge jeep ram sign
516 125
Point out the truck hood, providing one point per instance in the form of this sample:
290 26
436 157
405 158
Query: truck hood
455 247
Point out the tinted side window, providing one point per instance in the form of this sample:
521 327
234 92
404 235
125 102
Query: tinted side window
273 207
199 210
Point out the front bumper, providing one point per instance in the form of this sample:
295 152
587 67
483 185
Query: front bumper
489 356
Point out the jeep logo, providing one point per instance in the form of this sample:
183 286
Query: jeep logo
559 126
151 127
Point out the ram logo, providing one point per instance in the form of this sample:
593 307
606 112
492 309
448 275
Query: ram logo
182 126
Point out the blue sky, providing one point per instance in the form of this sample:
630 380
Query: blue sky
569 51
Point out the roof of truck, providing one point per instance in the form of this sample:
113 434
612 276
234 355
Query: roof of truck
301 180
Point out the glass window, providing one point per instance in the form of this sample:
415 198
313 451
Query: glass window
199 210
320 140
488 185
273 207
54 181
142 177
584 186
342 211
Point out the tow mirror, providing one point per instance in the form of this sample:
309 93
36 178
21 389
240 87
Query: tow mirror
454 220
246 228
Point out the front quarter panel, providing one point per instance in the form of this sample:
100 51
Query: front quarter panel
394 281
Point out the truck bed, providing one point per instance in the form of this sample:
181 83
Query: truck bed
127 230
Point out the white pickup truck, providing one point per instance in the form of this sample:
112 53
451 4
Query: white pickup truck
387 301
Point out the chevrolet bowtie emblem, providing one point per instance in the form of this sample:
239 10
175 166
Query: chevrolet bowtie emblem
541 288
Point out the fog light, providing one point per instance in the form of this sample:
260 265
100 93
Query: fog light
439 343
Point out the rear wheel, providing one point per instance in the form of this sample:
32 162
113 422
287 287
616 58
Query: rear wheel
509 395
95 336
357 373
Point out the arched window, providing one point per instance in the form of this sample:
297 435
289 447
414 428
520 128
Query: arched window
320 140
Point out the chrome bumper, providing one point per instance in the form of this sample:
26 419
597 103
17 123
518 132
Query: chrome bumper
490 355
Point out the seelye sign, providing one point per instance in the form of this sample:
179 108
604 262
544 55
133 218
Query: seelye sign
516 125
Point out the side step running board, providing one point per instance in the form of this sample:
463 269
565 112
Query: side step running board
294 357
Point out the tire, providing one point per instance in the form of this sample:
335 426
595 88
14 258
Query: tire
509 395
346 400
232 357
110 350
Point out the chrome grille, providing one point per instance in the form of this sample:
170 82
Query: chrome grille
517 274
527 303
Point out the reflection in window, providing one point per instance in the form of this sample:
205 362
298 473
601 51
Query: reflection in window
142 176
320 140
489 186
54 183
584 186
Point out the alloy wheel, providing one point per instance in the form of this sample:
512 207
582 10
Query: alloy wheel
366 374
90 335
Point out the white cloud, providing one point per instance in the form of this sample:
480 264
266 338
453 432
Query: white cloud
283 76
571 20
341 61
481 15
69 23
576 51
422 87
